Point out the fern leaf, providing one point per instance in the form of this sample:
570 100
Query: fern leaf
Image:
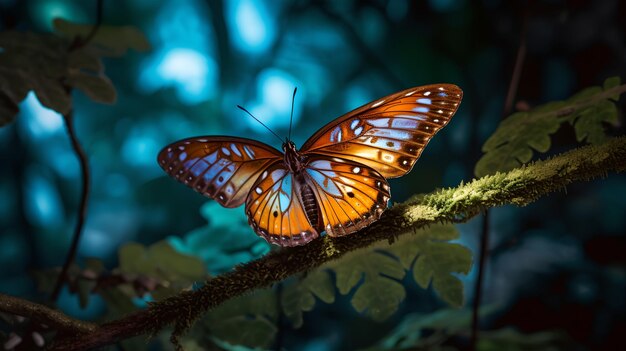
379 295
161 261
434 261
299 297
515 139
256 313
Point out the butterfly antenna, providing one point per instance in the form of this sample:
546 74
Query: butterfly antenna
256 119
293 100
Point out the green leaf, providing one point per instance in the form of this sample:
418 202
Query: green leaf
255 313
118 300
117 39
14 84
610 83
378 296
83 59
253 331
513 340
260 302
513 142
52 94
99 88
434 260
408 334
160 261
36 62
300 296
42 63
589 122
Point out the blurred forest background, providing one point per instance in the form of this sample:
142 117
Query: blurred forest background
556 269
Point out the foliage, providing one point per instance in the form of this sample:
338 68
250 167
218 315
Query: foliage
373 274
411 331
224 242
51 66
158 270
436 330
112 40
300 296
516 137
171 269
248 320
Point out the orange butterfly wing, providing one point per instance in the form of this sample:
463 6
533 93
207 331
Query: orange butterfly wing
350 195
276 210
389 134
222 168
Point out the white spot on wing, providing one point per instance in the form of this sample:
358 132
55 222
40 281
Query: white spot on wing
379 122
427 93
356 169
421 109
248 151
354 123
235 150
424 101
358 131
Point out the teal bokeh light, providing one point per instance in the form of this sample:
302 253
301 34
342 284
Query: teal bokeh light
251 27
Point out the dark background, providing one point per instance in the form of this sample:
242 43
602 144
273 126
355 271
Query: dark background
557 264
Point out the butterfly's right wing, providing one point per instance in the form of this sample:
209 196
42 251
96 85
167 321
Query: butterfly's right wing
350 195
222 168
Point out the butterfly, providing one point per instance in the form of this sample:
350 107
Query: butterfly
336 182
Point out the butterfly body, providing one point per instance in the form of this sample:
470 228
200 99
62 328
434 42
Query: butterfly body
336 183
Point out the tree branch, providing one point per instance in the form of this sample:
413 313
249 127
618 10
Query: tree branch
44 315
520 187
84 166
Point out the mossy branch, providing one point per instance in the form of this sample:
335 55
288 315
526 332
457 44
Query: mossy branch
44 315
520 186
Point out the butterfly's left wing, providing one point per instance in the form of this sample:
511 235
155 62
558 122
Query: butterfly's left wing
389 134
222 168
276 210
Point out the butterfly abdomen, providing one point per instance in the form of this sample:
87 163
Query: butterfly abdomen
309 202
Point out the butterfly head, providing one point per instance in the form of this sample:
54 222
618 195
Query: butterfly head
289 145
